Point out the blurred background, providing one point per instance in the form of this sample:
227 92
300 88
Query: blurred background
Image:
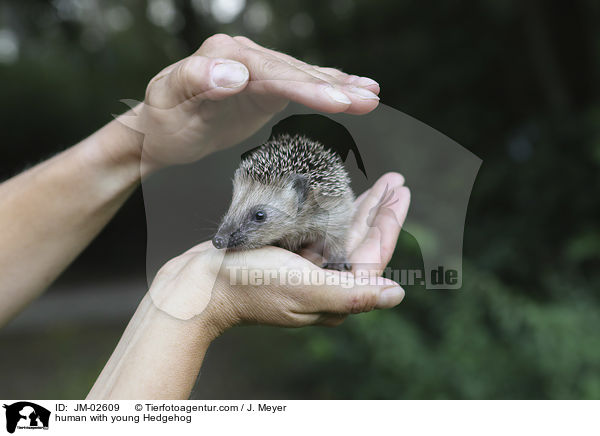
516 83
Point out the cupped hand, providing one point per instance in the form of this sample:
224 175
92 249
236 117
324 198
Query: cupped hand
273 286
227 90
379 214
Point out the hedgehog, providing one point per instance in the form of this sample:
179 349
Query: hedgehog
290 192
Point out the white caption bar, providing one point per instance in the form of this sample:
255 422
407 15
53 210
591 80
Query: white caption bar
41 418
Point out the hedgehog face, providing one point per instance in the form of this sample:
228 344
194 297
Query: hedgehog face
259 214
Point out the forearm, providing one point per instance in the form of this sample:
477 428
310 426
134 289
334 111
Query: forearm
158 357
51 212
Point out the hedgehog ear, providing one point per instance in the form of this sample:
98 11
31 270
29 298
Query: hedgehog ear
300 185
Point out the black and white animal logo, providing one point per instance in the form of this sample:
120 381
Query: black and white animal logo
26 415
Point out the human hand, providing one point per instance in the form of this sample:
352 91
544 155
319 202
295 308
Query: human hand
379 214
225 289
226 91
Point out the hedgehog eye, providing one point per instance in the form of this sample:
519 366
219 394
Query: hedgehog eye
260 215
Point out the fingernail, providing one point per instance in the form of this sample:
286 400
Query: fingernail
229 75
363 93
336 95
390 297
364 81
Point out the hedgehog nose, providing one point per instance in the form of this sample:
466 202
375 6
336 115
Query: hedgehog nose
219 242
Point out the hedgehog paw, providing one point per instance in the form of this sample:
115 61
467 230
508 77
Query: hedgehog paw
337 266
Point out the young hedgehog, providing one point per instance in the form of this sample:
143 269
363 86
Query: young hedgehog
290 192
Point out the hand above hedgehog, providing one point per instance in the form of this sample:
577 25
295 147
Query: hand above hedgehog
190 105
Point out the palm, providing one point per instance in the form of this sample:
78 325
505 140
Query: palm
249 110
375 227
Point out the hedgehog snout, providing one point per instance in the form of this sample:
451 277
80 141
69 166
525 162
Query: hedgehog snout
232 240
219 242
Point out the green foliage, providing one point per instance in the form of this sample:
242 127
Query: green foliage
479 342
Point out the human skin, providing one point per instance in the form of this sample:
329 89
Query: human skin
51 212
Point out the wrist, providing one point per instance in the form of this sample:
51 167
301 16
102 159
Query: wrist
158 357
114 153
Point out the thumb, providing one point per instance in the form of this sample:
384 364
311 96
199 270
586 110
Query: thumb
197 77
365 294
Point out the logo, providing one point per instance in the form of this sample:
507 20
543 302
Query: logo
26 415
